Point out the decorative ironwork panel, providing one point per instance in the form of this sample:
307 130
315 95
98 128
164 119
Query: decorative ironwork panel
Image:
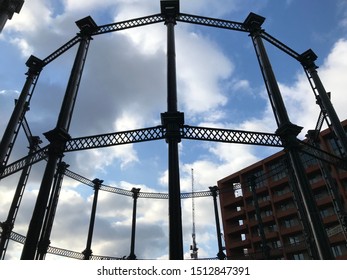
65 253
213 22
116 190
79 178
103 258
231 136
23 162
17 237
117 26
117 138
196 194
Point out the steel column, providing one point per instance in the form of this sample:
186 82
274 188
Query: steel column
221 255
44 241
288 132
88 251
8 225
132 255
308 59
58 138
172 120
35 66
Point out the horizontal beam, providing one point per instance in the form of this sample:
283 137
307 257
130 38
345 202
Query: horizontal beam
212 22
231 136
25 161
117 26
112 139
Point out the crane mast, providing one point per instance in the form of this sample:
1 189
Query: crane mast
193 247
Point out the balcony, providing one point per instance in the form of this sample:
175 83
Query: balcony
239 243
283 197
296 247
231 215
324 200
287 212
258 254
237 229
265 220
290 230
330 219
231 200
265 203
268 236
317 185
278 182
337 238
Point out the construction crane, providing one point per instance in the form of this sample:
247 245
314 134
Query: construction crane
193 247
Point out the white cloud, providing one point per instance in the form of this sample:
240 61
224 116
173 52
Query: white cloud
201 69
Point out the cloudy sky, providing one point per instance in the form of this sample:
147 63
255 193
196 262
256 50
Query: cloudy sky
124 87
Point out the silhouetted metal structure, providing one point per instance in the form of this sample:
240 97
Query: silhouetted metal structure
7 9
173 129
214 192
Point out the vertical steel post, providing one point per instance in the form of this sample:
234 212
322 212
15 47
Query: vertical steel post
307 60
51 210
88 251
58 138
35 66
8 225
221 255
288 133
172 120
132 255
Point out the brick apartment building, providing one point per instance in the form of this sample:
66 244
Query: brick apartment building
279 226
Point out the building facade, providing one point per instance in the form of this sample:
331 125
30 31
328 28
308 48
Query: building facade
259 212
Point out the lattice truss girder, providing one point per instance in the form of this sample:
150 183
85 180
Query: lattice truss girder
158 132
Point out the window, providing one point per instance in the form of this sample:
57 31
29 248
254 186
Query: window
276 244
321 194
293 240
299 256
264 197
272 228
335 146
290 222
326 212
258 177
266 213
314 178
337 251
237 189
277 171
282 191
308 160
286 205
